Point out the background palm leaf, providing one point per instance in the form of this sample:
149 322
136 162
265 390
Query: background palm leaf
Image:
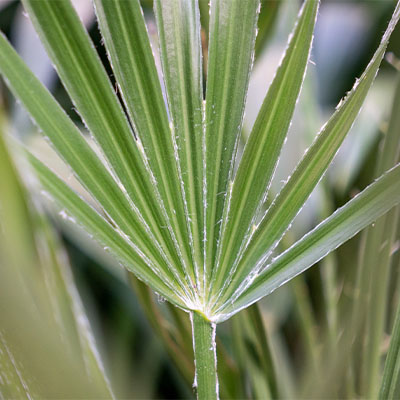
37 288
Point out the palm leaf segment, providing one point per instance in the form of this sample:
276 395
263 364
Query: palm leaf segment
173 210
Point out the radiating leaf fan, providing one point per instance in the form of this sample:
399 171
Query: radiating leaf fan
175 209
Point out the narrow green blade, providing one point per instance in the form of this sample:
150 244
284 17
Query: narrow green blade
307 174
123 28
264 145
390 386
80 69
233 26
73 148
86 81
358 213
377 247
178 23
112 239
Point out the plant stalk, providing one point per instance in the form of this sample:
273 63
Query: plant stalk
205 357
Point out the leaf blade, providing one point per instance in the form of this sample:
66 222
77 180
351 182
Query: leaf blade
262 150
35 275
308 172
343 224
125 35
73 148
376 250
390 384
231 50
69 46
178 23
103 232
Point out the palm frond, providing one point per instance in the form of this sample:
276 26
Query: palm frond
175 205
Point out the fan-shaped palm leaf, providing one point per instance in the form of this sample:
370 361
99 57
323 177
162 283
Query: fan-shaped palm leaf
174 210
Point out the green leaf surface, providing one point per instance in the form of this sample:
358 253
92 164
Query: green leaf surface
15 214
35 276
178 23
79 67
113 239
378 242
15 219
125 35
14 382
358 213
263 147
306 175
390 386
86 81
73 148
233 26
66 302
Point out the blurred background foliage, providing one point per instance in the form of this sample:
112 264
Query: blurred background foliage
295 342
